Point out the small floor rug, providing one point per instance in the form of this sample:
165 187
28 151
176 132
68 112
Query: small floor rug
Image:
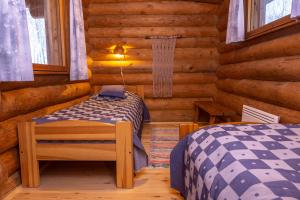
163 140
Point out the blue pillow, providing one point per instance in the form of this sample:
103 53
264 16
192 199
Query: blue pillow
113 91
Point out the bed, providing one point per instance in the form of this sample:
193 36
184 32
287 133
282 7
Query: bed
238 161
99 129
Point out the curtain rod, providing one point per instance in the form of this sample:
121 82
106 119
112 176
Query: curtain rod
163 37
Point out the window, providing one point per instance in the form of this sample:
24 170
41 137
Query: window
47 32
267 15
275 9
37 32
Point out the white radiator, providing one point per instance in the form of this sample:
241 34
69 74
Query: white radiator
251 114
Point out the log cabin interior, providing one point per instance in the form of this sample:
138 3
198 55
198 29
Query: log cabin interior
149 99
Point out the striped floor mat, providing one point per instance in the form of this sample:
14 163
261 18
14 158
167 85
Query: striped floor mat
163 139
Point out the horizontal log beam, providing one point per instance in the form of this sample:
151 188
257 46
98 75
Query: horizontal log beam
151 20
3 175
142 43
9 160
141 32
85 3
222 23
279 47
151 8
89 47
223 8
236 103
172 115
277 69
223 15
22 101
89 61
173 103
39 80
146 54
146 78
138 66
11 124
222 37
8 139
285 94
187 91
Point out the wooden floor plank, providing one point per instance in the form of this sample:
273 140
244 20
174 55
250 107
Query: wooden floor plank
90 182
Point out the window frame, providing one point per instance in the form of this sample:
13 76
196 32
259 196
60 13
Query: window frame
278 24
44 69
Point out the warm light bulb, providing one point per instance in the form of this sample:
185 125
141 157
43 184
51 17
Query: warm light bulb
119 56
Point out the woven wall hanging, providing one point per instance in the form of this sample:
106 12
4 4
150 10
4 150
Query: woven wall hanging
163 49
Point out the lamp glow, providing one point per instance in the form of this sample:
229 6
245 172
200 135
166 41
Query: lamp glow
119 51
119 56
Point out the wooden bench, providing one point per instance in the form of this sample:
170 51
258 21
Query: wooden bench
214 110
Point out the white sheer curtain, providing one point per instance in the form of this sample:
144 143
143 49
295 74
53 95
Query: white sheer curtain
236 22
78 68
15 56
295 9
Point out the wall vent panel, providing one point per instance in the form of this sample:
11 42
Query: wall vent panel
251 114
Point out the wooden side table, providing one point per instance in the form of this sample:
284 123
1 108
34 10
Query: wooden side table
214 110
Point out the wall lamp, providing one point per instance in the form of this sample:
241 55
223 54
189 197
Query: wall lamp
119 51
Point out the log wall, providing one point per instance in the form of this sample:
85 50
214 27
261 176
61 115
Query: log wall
263 72
112 22
21 102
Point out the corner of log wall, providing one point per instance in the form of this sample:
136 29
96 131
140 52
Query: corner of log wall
262 72
128 22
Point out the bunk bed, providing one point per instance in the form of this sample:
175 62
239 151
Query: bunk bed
237 160
110 132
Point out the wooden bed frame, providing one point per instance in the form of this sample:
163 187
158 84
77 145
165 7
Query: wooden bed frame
32 151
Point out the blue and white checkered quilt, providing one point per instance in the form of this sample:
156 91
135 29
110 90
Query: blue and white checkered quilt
103 109
109 110
229 162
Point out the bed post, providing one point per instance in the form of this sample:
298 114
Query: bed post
185 129
140 91
124 149
27 146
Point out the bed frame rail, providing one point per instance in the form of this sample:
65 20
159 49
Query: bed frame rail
75 130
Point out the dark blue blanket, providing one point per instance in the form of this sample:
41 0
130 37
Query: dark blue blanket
177 166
